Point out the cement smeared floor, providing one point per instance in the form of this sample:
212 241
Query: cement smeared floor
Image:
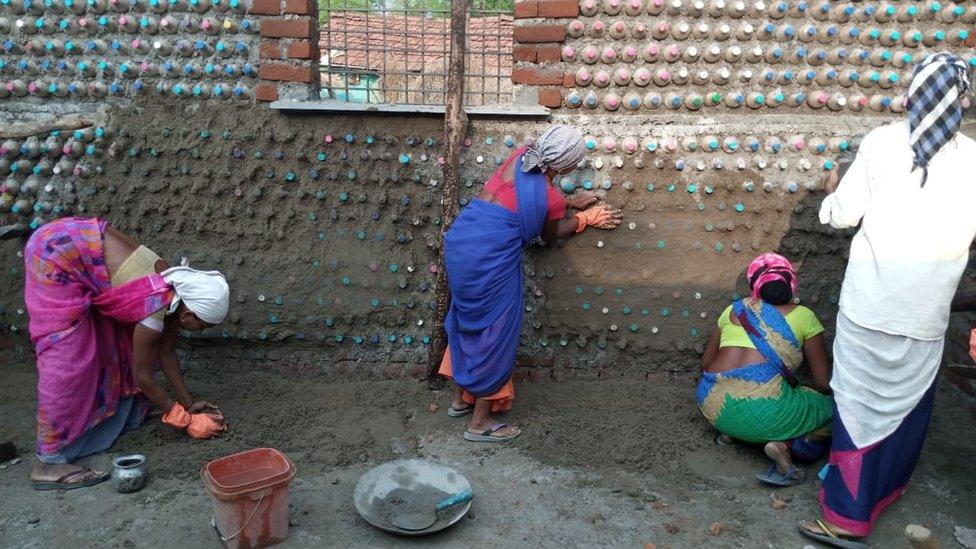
606 463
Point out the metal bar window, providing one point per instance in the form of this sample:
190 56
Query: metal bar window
397 51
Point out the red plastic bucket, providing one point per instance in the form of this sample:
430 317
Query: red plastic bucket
250 497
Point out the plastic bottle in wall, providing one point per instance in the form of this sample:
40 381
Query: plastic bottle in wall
951 14
934 37
745 32
879 103
755 100
777 9
681 76
906 13
885 13
673 100
869 36
970 15
735 9
589 8
821 12
655 7
842 13
848 35
957 37
754 54
817 57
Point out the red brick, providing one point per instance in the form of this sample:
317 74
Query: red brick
559 8
285 72
569 80
524 53
266 7
303 49
270 49
299 7
971 41
539 77
288 28
550 97
266 92
548 54
528 34
527 9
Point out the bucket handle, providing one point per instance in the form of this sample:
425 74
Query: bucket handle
213 522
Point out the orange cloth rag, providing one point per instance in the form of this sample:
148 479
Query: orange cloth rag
501 401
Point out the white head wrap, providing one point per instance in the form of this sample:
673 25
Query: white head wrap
560 148
205 293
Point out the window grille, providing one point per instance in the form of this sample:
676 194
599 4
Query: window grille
397 51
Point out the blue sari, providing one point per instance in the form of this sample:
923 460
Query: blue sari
483 256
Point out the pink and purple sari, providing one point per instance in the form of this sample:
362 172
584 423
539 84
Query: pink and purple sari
81 328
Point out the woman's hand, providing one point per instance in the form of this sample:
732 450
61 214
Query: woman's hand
832 180
204 407
601 217
581 200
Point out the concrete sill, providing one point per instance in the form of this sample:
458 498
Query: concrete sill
389 108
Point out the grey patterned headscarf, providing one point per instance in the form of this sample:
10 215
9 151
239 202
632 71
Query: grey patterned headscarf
560 148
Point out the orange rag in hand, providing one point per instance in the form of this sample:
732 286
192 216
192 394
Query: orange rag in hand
596 215
196 425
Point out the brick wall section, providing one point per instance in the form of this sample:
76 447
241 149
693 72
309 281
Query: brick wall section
289 46
540 30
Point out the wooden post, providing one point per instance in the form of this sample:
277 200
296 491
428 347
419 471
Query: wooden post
455 127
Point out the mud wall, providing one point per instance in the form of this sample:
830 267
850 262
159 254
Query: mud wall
326 225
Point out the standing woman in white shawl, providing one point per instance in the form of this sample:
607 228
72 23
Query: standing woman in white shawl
911 190
104 312
483 256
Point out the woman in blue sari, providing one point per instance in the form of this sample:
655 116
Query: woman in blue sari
483 257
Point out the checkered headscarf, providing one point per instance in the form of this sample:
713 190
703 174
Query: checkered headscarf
560 148
934 112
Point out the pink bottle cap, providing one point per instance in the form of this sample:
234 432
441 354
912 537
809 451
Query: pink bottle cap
65 149
822 98
658 3
623 74
642 75
590 53
673 50
614 3
609 53
602 78
123 20
32 87
652 49
329 138
441 160
619 26
635 4
589 4
598 26
83 22
664 75
799 144
433 268
609 144
576 26
137 43
569 52
466 142
670 145
374 267
662 27
863 101
630 51
613 101
144 67
630 145
206 24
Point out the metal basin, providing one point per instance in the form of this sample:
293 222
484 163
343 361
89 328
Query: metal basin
374 489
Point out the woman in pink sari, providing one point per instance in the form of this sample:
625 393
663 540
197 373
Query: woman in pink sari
104 311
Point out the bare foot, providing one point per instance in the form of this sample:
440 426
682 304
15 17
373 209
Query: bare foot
780 454
52 472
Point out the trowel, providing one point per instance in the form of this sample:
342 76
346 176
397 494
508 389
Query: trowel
421 520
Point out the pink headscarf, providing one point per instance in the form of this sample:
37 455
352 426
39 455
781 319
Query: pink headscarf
767 268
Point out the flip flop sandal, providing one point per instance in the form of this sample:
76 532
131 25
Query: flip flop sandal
488 434
724 440
773 477
63 484
830 538
459 412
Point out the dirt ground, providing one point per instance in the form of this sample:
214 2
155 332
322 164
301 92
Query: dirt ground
617 462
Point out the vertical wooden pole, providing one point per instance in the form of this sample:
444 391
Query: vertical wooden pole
455 127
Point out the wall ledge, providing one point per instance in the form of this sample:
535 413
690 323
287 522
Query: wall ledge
528 111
